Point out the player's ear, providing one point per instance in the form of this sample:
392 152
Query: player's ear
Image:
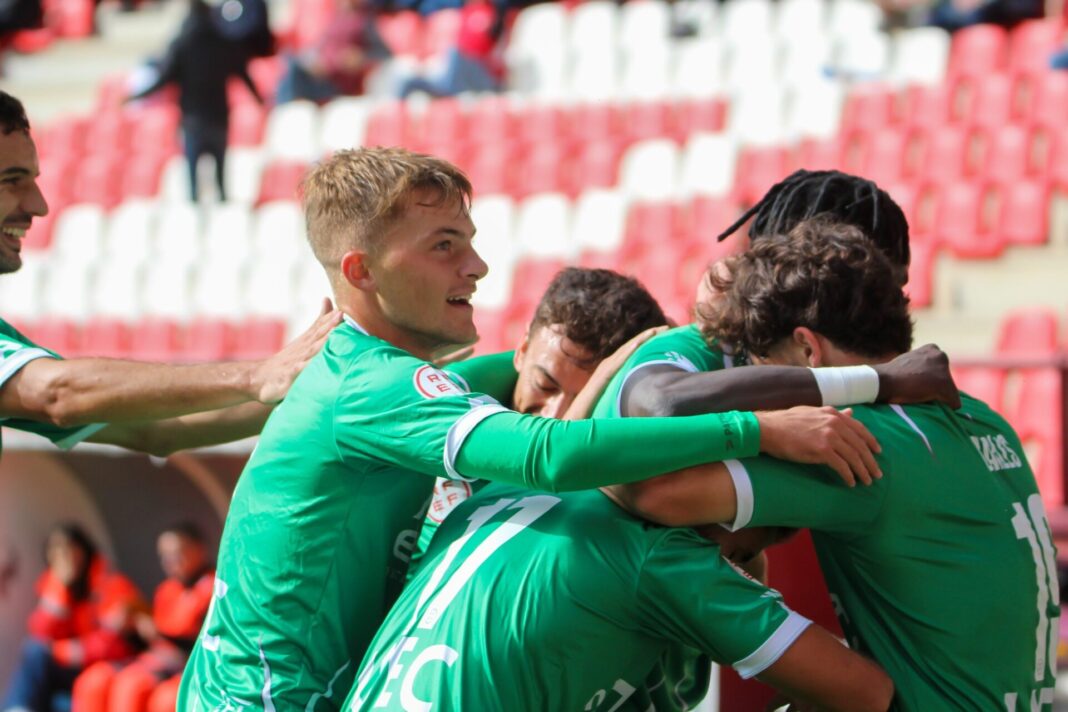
521 350
809 345
356 270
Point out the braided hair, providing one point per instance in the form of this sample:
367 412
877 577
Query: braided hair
846 198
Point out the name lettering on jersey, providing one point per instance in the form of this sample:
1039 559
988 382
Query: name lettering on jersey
432 383
447 494
996 452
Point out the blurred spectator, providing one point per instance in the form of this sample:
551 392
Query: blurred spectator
85 613
150 683
340 62
953 15
199 61
472 64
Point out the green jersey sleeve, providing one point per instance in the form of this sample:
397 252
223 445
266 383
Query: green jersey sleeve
493 374
683 348
775 492
704 602
15 352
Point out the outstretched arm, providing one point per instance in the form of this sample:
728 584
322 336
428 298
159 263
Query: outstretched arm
820 670
92 390
164 437
914 377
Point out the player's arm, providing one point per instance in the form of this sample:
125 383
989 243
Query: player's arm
554 455
92 390
163 437
662 390
583 405
820 670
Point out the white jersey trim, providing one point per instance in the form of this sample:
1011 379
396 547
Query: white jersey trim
773 648
460 380
460 430
685 365
355 325
912 424
743 495
79 435
11 365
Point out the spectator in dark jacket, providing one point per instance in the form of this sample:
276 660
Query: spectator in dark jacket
199 61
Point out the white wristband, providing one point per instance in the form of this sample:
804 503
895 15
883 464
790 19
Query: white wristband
847 385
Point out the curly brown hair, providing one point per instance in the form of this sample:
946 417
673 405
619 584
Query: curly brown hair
598 309
824 275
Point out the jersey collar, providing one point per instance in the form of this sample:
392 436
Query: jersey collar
352 322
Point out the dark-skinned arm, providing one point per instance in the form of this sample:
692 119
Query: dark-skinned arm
918 376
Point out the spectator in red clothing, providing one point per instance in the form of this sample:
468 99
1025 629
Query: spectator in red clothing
85 613
178 610
337 66
472 64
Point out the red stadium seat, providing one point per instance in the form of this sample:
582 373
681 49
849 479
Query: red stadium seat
1039 422
529 281
444 120
266 72
946 155
758 169
155 130
141 176
907 196
867 109
978 50
921 273
310 20
961 221
280 181
40 235
650 226
650 119
98 180
491 171
884 156
209 340
389 125
701 115
598 121
157 340
402 32
259 338
697 255
490 325
986 384
65 137
107 338
71 18
991 102
820 154
108 133
60 335
1029 333
929 107
1024 212
1007 154
247 122
543 124
1049 101
31 41
1032 42
492 120
546 169
57 180
706 217
597 165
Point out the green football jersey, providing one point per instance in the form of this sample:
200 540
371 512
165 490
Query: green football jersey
530 601
15 352
944 570
323 519
682 347
681 679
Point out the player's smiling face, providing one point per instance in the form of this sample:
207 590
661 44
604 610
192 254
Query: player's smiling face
425 273
551 373
20 198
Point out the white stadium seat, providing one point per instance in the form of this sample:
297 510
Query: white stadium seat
647 75
494 218
863 56
292 131
799 18
278 233
165 291
708 165
598 220
543 227
20 292
815 109
129 232
218 290
757 116
344 123
65 289
244 168
920 56
699 66
228 233
79 234
649 170
269 290
644 26
752 64
594 25
805 58
178 234
850 18
745 20
115 291
594 75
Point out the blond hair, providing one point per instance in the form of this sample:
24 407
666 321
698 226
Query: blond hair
353 196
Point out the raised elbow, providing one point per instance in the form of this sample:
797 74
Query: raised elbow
650 400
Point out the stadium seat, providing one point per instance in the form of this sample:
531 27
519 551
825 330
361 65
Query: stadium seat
986 384
266 72
962 223
278 232
389 125
155 130
440 29
1038 420
1029 333
79 234
268 289
928 107
991 102
280 181
546 169
757 116
343 123
492 120
1049 101
804 59
228 234
758 169
165 291
543 228
60 335
128 236
106 338
597 121
66 288
443 120
708 115
649 226
751 64
242 174
217 290
650 119
946 155
853 17
706 217
292 132
310 20
157 340
884 156
490 325
98 179
920 56
1024 212
593 26
20 291
247 123
699 66
178 234
538 28
142 175
815 110
402 32
594 75
1032 42
644 27
531 278
109 133
819 154
597 165
745 20
542 123
978 50
799 17
598 220
649 170
647 75
1007 154
867 108
708 165
920 286
862 55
